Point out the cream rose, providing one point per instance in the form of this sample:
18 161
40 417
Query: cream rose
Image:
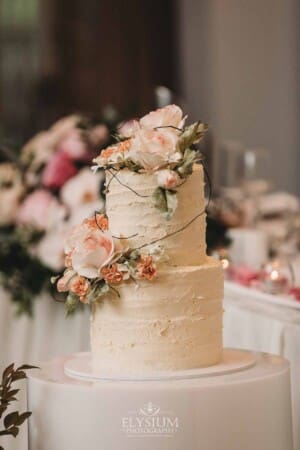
83 189
153 149
168 179
89 249
169 116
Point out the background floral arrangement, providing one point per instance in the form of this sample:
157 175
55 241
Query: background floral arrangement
46 191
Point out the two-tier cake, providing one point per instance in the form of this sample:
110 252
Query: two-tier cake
156 297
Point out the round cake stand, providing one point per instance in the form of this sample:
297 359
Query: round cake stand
232 406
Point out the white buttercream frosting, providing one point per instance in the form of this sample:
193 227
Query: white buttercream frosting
175 321
171 323
130 214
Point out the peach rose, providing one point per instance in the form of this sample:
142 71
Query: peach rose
70 281
113 154
112 275
89 249
170 115
146 268
168 179
153 149
80 287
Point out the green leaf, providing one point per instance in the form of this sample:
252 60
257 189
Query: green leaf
22 417
165 201
19 375
7 372
160 200
191 135
27 367
11 419
172 203
189 158
72 302
98 290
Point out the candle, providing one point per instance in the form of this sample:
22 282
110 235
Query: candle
272 278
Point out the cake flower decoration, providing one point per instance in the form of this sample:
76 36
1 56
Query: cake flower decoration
97 262
159 143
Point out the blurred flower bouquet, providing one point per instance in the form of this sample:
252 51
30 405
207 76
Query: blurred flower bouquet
45 193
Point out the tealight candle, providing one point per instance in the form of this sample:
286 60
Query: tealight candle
272 278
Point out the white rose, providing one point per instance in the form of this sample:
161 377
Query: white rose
168 179
153 149
83 189
11 191
169 116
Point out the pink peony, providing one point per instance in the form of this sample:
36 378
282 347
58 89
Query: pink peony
58 170
74 147
40 210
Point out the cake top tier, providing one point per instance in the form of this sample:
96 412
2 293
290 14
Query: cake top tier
132 213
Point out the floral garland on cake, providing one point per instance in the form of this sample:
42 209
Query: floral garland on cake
158 143
97 262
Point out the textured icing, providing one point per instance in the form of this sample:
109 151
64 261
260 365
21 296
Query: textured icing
130 214
172 323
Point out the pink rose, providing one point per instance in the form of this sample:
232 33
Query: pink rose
168 178
58 170
170 115
74 147
153 149
40 210
89 249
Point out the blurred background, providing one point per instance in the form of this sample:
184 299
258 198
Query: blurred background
233 63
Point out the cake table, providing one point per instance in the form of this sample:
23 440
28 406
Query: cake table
242 403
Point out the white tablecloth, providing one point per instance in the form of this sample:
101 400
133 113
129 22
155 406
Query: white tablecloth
253 324
26 340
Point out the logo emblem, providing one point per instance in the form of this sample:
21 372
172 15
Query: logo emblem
150 420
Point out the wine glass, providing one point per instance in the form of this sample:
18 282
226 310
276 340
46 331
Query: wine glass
256 181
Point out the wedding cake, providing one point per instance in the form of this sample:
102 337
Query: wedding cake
155 296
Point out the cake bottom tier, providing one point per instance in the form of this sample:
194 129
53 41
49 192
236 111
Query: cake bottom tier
171 323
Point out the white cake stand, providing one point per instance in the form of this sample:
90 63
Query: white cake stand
241 404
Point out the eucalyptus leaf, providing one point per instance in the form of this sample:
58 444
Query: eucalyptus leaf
160 199
72 302
172 202
165 201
